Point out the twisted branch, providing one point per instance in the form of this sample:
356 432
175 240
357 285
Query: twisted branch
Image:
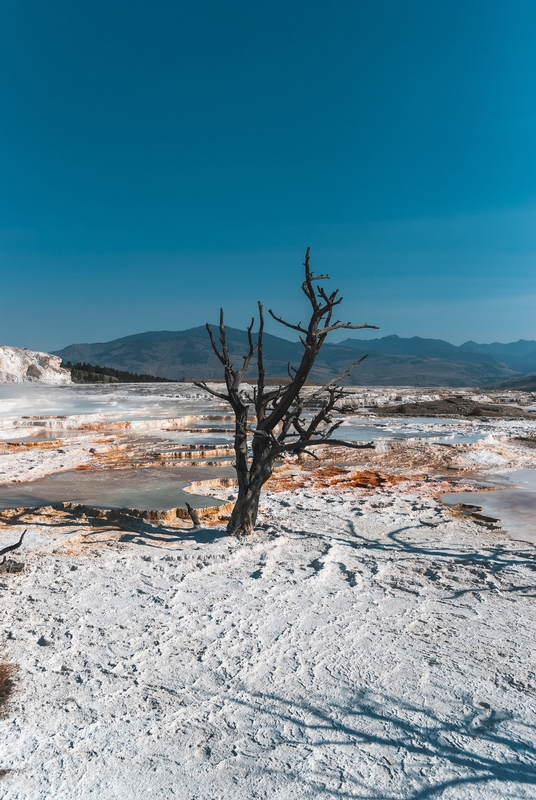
12 546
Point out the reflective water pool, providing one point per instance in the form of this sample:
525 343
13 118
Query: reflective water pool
149 488
434 429
513 502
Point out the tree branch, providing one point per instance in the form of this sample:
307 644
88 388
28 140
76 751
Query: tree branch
336 380
251 351
261 373
310 454
287 324
343 443
347 326
203 385
338 442
213 343
12 546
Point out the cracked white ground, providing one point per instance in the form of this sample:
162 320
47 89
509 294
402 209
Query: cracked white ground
363 644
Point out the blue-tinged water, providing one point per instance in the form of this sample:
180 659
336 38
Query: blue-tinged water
513 502
149 488
440 430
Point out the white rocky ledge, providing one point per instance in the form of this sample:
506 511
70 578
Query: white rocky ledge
18 365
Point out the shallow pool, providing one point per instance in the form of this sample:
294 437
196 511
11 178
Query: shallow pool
450 431
513 502
148 488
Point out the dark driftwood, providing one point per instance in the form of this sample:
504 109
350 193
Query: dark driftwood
193 516
12 546
280 423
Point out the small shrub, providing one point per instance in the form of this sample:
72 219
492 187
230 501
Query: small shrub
7 684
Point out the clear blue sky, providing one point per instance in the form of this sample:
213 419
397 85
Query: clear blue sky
160 158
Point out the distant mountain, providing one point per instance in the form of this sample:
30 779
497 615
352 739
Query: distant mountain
521 348
429 348
520 355
525 383
188 354
392 361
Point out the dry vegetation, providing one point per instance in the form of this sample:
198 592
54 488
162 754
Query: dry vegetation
7 684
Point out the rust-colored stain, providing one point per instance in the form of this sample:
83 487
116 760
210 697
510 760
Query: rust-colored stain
48 445
285 483
102 426
334 477
370 479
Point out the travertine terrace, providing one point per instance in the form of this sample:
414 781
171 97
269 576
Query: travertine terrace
368 641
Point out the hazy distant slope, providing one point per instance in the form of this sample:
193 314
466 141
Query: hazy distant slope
524 383
383 369
188 354
437 348
520 355
521 348
415 346
392 360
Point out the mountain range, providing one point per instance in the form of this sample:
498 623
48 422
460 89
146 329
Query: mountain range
392 360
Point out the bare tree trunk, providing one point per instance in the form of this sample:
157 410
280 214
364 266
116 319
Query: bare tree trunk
280 426
244 514
241 446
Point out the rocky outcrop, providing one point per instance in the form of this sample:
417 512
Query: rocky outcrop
18 365
456 406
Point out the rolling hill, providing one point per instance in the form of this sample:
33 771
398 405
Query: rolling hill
392 361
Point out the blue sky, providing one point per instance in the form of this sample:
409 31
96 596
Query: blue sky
160 159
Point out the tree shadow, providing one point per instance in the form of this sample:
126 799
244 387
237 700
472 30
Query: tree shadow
404 739
500 556
489 562
496 557
130 529
150 535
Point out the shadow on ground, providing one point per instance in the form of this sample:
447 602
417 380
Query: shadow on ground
409 744
123 529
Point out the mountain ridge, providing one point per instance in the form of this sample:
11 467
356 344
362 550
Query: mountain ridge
392 360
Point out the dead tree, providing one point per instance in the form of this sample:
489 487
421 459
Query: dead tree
282 422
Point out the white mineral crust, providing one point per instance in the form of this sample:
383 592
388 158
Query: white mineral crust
18 365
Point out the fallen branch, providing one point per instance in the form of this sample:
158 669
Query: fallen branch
12 547
193 516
